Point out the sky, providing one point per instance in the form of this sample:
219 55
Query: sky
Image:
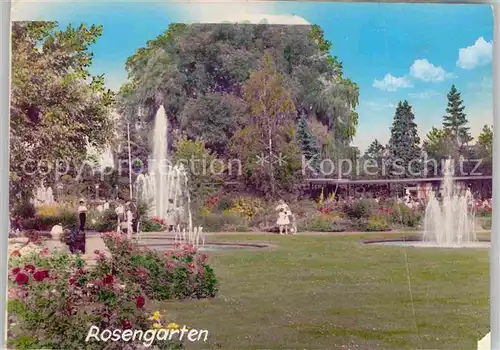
394 52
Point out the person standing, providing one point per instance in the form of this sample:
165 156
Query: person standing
82 215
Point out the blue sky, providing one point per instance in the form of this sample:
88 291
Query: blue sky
393 51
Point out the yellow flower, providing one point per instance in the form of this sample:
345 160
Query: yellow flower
156 316
157 326
173 325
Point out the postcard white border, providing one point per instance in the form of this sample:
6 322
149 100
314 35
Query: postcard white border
5 12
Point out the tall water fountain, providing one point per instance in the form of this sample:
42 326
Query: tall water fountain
450 223
43 195
165 188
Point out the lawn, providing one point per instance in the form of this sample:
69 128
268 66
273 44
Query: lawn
327 292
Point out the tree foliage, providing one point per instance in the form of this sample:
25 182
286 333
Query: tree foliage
270 122
404 144
223 82
485 139
455 121
307 141
57 108
187 62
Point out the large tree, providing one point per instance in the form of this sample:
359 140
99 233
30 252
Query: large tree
57 108
439 144
187 62
404 154
268 132
455 119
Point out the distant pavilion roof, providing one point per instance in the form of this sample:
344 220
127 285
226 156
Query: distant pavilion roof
388 181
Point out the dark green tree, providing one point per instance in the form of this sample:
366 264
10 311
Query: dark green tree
307 141
373 159
455 119
404 154
375 150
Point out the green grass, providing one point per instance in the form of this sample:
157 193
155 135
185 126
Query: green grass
327 292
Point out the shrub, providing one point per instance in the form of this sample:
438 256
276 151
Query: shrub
152 225
54 298
24 210
224 203
359 209
107 221
177 274
405 216
486 223
376 223
323 223
247 207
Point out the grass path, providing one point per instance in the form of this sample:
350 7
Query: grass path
324 292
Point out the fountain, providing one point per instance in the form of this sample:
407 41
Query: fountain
449 224
165 188
43 195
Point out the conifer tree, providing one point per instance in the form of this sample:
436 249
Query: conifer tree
307 140
455 119
404 144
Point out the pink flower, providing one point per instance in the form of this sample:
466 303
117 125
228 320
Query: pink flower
16 270
22 278
140 301
29 268
45 251
40 275
15 253
108 279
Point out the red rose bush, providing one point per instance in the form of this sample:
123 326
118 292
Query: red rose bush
54 299
179 273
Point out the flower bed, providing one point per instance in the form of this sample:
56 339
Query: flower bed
54 298
177 274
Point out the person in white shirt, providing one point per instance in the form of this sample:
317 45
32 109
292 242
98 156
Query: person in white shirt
82 215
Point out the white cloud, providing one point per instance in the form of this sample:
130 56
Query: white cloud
422 69
425 94
479 54
392 83
234 11
379 105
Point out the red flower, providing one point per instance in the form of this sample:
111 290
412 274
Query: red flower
22 278
29 268
108 279
127 324
72 280
139 302
15 253
191 266
41 275
45 251
16 270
